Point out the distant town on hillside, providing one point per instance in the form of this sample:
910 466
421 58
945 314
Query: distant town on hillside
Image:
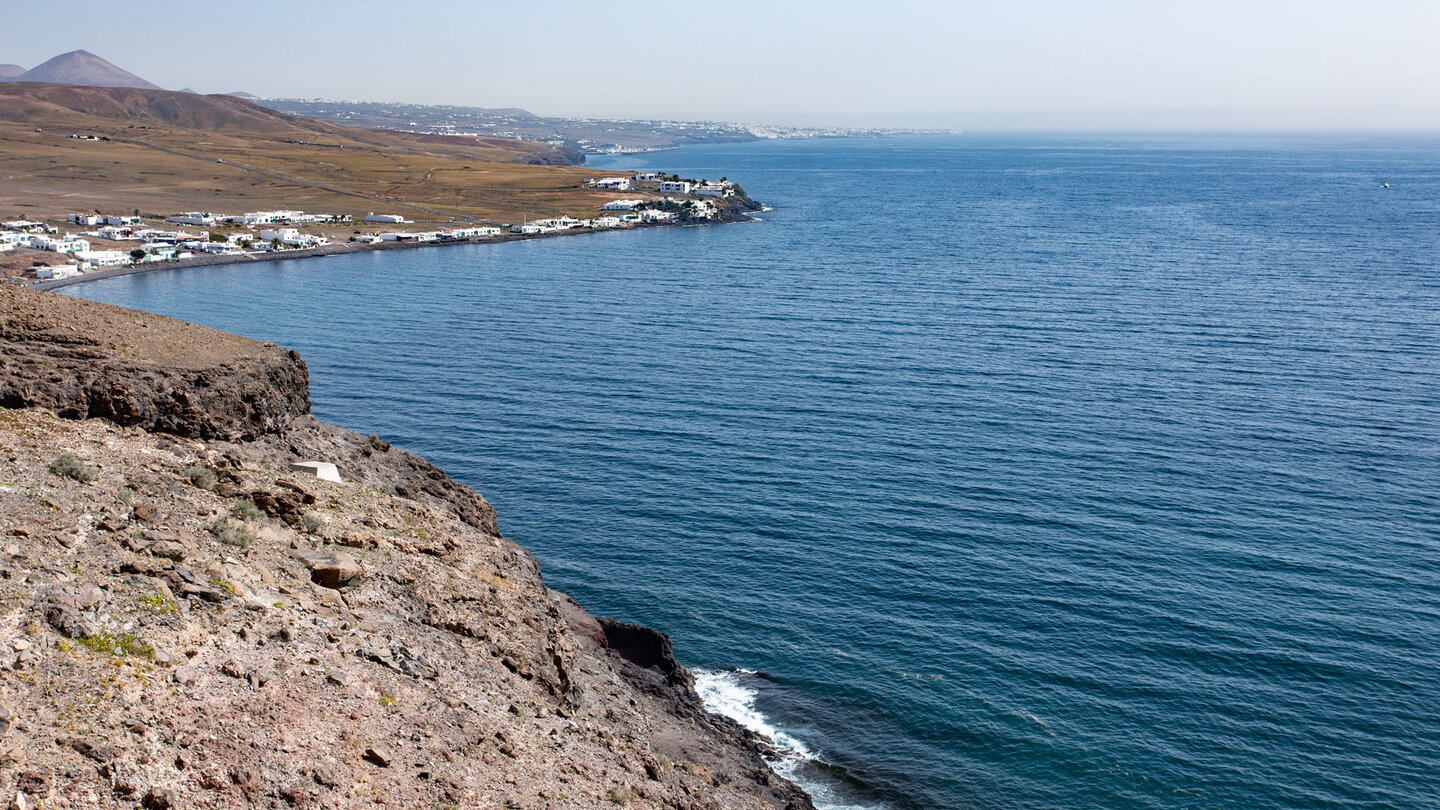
589 135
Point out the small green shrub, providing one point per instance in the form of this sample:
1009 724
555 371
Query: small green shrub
125 494
312 522
245 509
622 795
233 534
66 465
124 644
159 604
201 477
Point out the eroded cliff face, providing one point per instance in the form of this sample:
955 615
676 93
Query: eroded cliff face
188 622
81 359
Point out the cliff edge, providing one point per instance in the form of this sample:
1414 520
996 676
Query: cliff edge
189 622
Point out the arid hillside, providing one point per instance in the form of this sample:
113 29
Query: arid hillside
162 151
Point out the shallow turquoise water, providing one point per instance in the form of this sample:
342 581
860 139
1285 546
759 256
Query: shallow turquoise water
1018 473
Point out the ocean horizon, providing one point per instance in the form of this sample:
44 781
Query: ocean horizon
986 471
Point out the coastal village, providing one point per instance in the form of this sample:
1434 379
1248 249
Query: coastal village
52 249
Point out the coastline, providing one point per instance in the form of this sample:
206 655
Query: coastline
342 249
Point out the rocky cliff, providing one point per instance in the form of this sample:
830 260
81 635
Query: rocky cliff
80 360
190 622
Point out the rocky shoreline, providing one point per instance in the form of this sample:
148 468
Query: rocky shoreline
190 621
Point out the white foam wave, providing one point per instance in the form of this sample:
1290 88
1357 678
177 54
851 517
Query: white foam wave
726 694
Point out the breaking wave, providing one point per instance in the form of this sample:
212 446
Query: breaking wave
729 693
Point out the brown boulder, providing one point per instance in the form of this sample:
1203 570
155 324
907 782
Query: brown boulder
331 569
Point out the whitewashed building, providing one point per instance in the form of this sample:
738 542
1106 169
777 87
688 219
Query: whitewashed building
69 243
27 226
563 223
291 237
117 233
471 233
87 219
103 258
722 189
616 183
58 271
392 218
621 205
675 187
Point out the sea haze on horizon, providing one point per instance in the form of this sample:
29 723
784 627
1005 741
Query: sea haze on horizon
1020 473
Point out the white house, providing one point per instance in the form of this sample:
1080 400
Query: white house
723 189
117 233
159 251
393 218
292 237
262 217
193 218
675 187
621 205
103 258
606 222
470 233
616 183
69 243
157 235
411 236
652 215
213 247
649 177
558 223
123 220
58 271
29 227
87 219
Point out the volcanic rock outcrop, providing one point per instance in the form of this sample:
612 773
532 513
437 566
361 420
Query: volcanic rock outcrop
81 359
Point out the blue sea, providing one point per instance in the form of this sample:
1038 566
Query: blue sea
982 472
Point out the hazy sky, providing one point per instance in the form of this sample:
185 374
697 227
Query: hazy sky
1015 64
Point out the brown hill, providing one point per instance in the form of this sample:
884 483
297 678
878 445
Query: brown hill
102 109
83 67
165 151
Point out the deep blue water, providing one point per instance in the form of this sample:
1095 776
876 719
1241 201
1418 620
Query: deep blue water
1022 473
